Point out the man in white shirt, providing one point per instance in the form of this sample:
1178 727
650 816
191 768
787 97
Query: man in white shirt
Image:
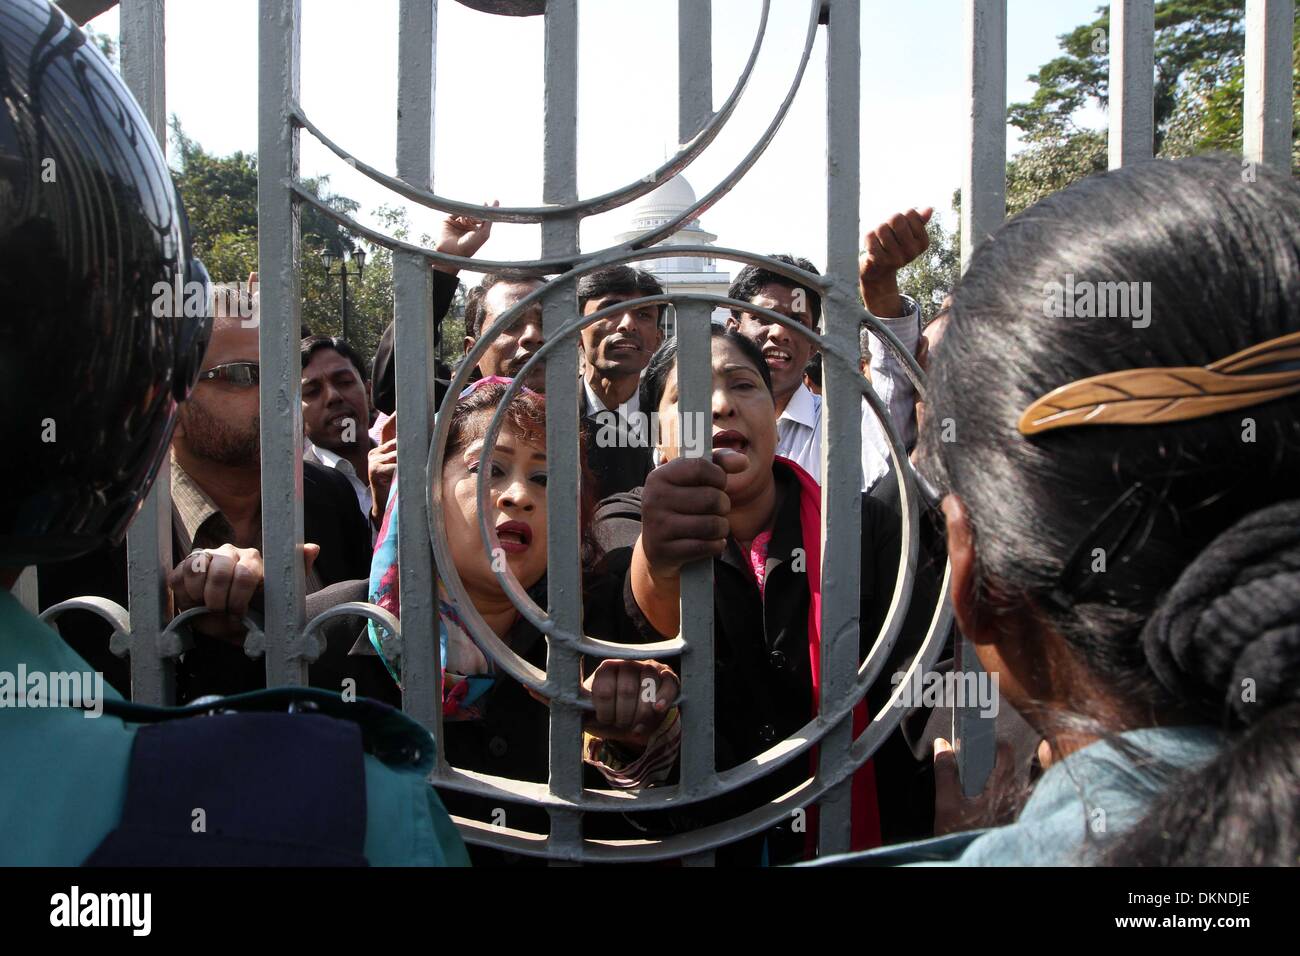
887 248
615 351
336 417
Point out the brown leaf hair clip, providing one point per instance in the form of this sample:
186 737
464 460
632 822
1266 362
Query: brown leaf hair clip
1151 396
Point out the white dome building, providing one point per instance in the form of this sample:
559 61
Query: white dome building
677 273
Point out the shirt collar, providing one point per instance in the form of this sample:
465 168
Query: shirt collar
594 404
191 502
330 459
802 407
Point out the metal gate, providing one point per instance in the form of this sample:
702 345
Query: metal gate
288 642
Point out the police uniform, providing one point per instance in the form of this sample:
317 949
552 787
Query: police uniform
68 774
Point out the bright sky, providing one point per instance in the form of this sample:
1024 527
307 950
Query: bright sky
488 135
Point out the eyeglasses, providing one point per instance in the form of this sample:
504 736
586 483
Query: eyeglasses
239 374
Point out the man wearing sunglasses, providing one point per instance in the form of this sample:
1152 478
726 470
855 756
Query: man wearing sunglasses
217 527
217 513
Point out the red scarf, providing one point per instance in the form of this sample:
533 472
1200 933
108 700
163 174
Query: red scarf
865 813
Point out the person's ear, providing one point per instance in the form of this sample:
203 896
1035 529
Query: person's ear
469 343
733 323
972 620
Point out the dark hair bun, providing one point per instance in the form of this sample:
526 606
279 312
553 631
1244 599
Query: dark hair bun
1227 635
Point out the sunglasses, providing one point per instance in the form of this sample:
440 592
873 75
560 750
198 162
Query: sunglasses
239 374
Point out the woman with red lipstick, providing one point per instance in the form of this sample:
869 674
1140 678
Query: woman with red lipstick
752 513
493 724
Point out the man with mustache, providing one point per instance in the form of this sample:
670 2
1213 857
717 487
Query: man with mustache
615 351
335 418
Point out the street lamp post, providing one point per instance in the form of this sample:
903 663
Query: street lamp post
359 257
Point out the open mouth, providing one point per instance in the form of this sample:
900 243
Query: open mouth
343 419
515 536
730 438
777 357
623 346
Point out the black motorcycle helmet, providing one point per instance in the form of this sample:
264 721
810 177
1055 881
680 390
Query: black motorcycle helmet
96 347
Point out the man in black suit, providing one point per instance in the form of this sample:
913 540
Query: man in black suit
615 351
217 528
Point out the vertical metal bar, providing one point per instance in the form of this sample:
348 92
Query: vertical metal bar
564 573
694 66
142 42
1269 110
695 381
974 736
149 542
841 564
983 207
984 183
412 347
1132 81
279 45
695 378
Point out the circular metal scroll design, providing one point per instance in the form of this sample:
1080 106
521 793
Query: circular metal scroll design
782 752
117 617
178 637
612 200
573 265
389 627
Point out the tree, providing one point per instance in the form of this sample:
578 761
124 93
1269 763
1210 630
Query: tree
105 43
1194 39
220 197
929 278
1199 56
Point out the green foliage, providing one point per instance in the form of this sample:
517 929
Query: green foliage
1195 40
220 196
105 43
1199 55
1208 116
930 277
1045 167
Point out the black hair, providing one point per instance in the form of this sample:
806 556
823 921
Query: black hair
752 279
314 343
476 310
814 369
618 280
1196 617
655 378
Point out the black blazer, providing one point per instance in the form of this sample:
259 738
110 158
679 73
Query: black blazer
763 679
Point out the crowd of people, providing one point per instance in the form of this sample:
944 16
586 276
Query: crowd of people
1117 505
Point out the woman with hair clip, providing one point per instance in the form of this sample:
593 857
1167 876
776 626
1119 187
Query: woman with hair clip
1123 516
